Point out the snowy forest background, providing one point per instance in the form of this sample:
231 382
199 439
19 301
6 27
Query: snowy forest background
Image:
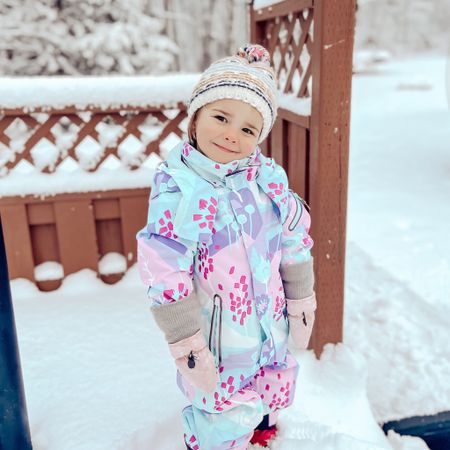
103 37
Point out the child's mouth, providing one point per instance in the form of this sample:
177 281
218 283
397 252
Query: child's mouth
224 149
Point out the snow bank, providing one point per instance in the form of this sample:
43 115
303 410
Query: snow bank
97 370
398 265
412 355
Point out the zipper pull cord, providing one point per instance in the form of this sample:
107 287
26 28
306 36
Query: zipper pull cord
220 328
211 327
217 310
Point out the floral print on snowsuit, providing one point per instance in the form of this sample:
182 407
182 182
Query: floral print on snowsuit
223 231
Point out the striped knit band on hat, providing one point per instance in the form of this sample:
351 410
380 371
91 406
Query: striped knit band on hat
246 76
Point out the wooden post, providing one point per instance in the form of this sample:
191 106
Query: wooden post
257 34
334 24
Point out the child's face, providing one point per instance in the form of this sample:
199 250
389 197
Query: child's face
227 130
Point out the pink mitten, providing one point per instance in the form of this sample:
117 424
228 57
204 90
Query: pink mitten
301 319
195 362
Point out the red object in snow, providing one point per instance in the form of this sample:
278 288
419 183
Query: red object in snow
262 437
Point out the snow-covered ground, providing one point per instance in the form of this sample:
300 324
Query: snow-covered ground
398 247
98 374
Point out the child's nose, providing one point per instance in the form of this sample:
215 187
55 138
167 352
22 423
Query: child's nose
231 135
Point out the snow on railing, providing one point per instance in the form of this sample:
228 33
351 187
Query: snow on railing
30 94
258 4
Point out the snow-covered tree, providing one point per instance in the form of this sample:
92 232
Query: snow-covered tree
82 37
52 37
204 30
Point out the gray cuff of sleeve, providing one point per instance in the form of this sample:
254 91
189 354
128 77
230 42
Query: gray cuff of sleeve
178 320
298 279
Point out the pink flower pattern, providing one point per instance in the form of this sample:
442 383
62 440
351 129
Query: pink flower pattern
281 400
278 193
220 401
241 304
207 218
280 303
205 262
228 385
186 149
307 241
192 441
172 295
251 173
273 385
166 225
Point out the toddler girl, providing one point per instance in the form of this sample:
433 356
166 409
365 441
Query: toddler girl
226 257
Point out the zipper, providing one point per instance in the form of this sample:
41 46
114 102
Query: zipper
217 310
299 204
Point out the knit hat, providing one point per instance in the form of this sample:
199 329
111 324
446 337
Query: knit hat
246 76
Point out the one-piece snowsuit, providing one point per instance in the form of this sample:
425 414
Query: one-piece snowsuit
222 231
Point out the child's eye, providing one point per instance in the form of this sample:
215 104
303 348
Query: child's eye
220 118
247 130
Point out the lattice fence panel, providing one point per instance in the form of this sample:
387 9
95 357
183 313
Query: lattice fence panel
289 38
48 140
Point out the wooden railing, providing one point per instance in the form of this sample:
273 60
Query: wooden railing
40 125
76 229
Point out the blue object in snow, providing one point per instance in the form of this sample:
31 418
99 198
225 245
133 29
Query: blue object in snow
14 428
434 430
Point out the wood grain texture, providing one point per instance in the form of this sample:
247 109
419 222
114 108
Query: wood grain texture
17 241
332 74
76 235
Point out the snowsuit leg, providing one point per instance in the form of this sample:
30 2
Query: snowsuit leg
276 385
231 426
